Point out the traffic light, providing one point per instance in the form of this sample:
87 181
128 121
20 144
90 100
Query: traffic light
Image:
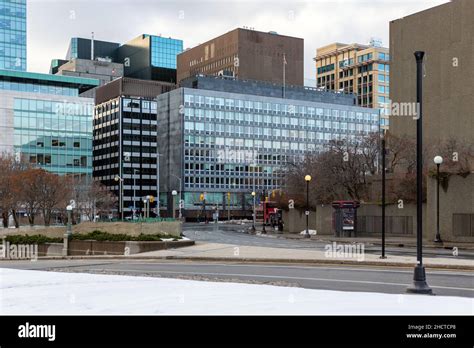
201 197
152 199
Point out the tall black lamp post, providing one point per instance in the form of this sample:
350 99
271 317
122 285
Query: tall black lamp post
384 153
420 286
307 178
264 231
438 160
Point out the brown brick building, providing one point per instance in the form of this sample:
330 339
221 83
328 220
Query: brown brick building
246 54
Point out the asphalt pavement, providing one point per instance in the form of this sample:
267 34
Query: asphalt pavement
238 235
343 278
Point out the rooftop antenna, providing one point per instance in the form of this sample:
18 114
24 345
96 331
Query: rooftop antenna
92 46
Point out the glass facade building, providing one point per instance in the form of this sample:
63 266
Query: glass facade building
45 123
54 135
164 51
13 35
227 145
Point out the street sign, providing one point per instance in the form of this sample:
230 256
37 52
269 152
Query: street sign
306 212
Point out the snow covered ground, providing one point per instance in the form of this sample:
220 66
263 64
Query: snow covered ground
36 292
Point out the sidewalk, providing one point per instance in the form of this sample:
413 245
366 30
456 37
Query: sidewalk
389 241
226 252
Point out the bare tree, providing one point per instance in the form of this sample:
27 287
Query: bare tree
55 193
93 198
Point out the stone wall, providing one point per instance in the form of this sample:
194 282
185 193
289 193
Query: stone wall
457 199
171 228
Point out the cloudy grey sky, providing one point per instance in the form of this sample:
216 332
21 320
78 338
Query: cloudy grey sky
51 23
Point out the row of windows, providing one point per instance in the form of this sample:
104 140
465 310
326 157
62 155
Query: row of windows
37 88
55 108
52 142
281 121
7 24
258 107
326 68
269 145
364 57
275 132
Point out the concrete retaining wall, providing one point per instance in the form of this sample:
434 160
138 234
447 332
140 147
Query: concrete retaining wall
457 199
91 247
171 228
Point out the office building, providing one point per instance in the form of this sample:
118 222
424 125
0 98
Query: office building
448 93
360 69
13 35
102 70
445 34
44 122
125 139
247 54
150 57
146 57
224 138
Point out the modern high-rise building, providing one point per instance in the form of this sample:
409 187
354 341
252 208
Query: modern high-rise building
146 57
125 139
247 54
224 138
360 69
13 35
44 122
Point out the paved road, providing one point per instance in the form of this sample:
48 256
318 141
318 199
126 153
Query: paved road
343 278
237 235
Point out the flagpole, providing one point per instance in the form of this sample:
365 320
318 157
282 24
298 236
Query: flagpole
284 74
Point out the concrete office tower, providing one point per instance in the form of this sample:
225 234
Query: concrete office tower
125 138
13 35
356 68
227 137
446 35
246 54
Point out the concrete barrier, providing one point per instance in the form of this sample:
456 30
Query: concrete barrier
92 247
169 228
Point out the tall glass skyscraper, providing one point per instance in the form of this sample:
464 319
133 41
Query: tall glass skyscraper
13 34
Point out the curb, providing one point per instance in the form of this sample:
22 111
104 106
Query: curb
260 260
447 245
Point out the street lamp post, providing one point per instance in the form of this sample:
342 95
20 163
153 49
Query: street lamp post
120 180
68 234
384 153
134 196
180 194
420 286
174 194
254 217
438 160
307 178
264 231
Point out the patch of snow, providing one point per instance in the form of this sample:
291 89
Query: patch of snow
47 293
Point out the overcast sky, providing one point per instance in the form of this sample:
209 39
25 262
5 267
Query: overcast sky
51 23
